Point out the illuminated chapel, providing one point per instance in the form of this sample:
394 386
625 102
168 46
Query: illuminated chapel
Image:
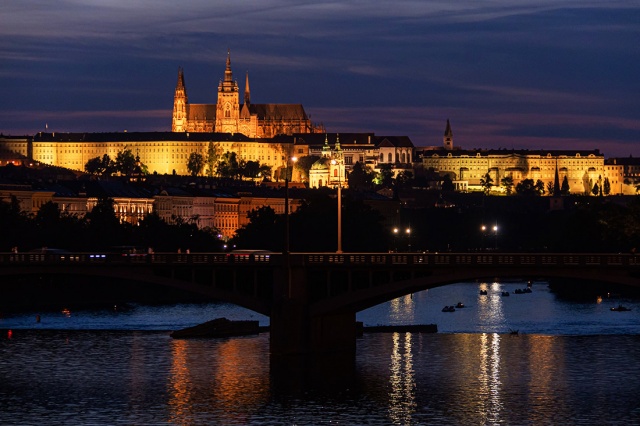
229 115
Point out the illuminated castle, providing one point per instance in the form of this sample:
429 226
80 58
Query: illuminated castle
231 116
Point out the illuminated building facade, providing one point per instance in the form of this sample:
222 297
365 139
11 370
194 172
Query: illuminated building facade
583 169
228 115
225 212
161 152
350 148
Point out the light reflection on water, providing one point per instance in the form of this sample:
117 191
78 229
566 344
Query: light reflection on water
572 363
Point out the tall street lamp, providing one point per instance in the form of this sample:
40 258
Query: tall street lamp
334 162
495 231
286 204
408 231
395 239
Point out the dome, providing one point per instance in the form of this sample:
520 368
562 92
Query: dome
321 164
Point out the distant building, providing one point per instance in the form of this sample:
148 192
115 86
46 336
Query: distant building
204 207
161 152
350 148
628 169
582 168
229 115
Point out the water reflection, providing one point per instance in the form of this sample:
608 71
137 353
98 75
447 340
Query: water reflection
489 377
227 379
402 398
403 309
178 382
490 306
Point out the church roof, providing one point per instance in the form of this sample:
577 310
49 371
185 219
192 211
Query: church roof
395 141
138 137
201 111
442 152
351 139
278 111
321 164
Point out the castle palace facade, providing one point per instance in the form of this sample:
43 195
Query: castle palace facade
231 116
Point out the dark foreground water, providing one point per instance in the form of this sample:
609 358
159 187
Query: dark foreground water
571 363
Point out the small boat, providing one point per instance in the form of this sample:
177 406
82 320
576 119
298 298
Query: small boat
449 309
460 305
220 327
505 293
483 292
620 308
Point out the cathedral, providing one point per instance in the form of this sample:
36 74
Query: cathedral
231 116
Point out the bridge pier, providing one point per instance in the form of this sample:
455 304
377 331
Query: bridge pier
294 331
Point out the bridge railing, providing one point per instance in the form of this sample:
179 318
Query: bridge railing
337 259
477 259
132 258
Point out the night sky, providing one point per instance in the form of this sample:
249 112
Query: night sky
508 74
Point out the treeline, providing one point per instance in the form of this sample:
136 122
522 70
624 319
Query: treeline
100 229
583 224
462 223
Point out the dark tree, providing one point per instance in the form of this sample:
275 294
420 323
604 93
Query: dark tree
447 184
385 175
228 166
486 182
103 224
195 164
360 177
565 189
507 184
125 162
303 165
528 187
213 151
264 231
100 166
404 179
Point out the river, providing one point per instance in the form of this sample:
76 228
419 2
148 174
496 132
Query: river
571 362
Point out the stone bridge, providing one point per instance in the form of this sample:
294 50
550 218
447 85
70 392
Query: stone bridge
312 298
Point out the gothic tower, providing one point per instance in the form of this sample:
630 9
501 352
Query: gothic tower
180 101
247 96
448 137
228 107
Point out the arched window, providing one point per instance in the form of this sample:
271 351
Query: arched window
403 157
319 183
408 157
335 172
381 157
390 157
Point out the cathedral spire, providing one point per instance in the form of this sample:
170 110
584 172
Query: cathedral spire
247 97
228 75
448 137
180 103
181 90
